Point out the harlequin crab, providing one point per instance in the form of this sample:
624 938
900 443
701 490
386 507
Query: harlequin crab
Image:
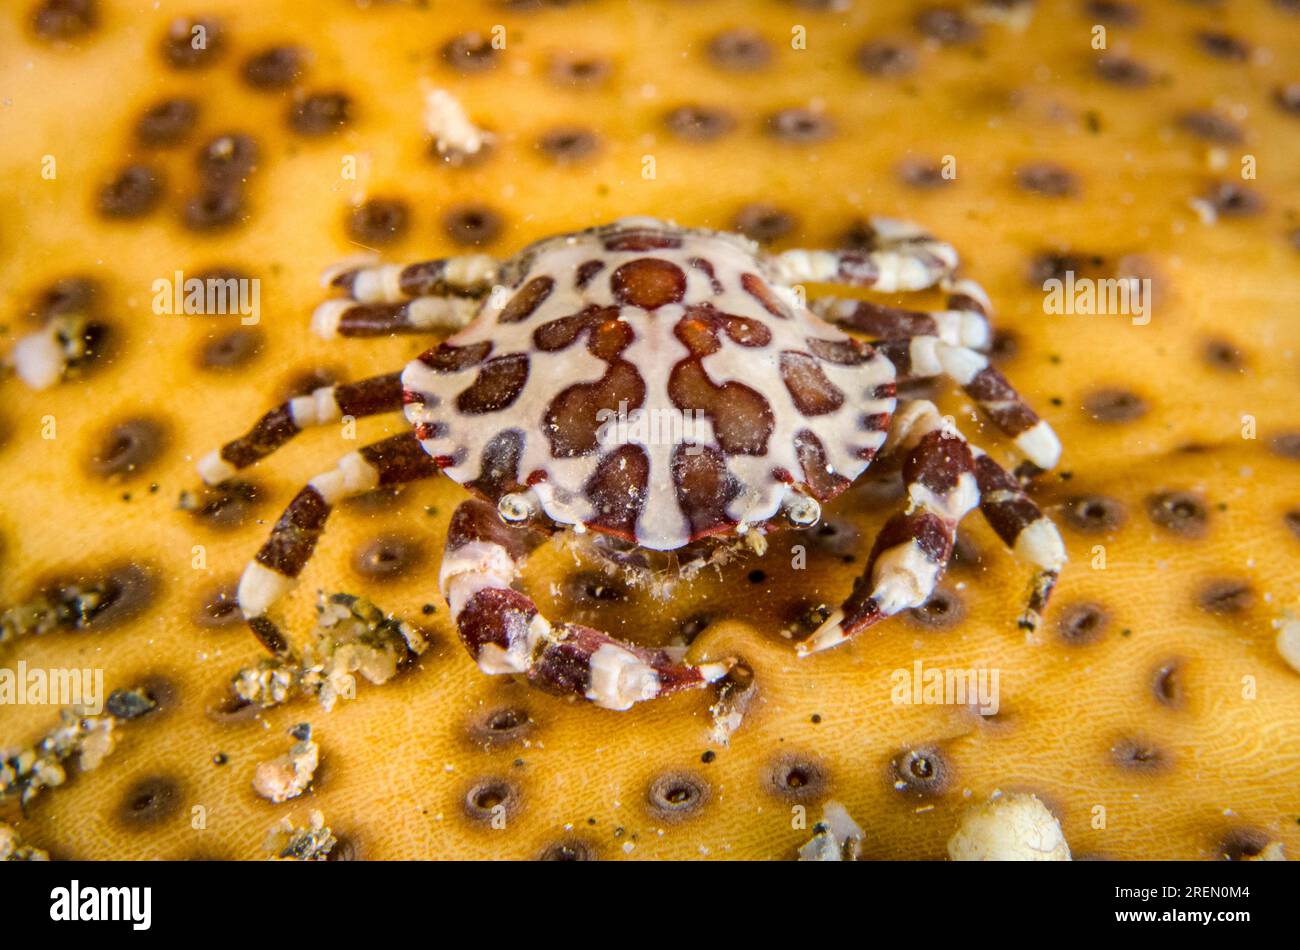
643 315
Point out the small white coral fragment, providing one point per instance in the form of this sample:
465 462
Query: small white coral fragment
12 848
837 837
454 135
1014 827
288 842
1288 641
287 776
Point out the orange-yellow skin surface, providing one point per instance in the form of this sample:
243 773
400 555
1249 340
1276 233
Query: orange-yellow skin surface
398 760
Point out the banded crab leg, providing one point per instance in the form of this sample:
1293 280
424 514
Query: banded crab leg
951 343
367 397
899 256
920 357
383 299
275 568
505 633
912 549
946 478
965 322
1023 528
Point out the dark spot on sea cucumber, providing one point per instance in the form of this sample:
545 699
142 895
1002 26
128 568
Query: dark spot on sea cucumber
388 557
149 801
1223 46
886 59
579 72
796 778
799 126
922 772
1210 127
1112 405
501 726
1094 514
378 221
1138 755
739 50
943 609
231 350
213 209
568 145
129 447
764 223
1122 71
1230 200
677 795
62 20
1226 596
1047 179
470 53
1082 623
321 113
167 123
219 606
1286 445
1167 683
1224 355
693 123
489 798
275 68
193 44
1180 512
472 225
947 25
569 849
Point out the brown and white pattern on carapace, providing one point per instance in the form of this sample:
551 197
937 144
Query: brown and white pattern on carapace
666 388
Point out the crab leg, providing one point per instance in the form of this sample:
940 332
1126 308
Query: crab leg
900 257
964 323
347 318
468 276
913 547
276 567
926 356
505 633
1023 528
383 299
367 397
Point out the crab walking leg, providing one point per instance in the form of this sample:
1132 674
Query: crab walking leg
276 567
964 323
367 397
913 547
927 356
469 276
1024 528
505 634
347 318
900 257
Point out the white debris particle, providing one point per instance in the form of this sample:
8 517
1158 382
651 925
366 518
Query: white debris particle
1288 640
287 776
311 843
1014 827
837 837
352 636
455 136
12 848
